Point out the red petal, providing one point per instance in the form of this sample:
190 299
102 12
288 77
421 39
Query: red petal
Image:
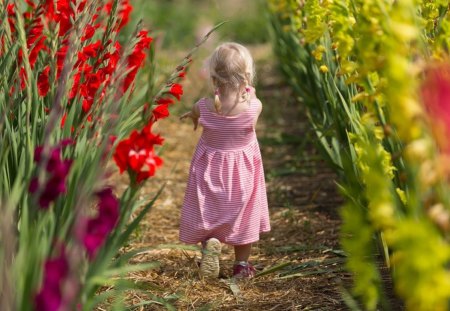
161 112
164 101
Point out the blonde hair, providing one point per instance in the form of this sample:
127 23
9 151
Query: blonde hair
231 69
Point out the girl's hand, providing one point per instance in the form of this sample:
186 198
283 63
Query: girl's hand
192 116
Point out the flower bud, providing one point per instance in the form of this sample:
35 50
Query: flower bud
323 69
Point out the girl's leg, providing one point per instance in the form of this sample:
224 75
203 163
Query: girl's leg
209 265
242 252
242 268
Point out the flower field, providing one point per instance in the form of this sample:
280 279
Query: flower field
90 189
374 75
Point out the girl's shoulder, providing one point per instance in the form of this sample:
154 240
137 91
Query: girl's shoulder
204 103
256 101
257 104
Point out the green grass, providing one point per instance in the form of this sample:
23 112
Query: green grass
179 23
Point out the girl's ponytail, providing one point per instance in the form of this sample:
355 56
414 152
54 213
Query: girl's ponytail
217 103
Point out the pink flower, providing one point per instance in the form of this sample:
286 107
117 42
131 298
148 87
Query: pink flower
49 297
99 227
57 170
436 98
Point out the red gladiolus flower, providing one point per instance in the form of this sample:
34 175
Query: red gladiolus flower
164 101
60 58
27 16
31 3
89 32
161 112
75 86
64 15
42 82
136 59
182 75
121 154
10 9
55 272
63 120
151 162
436 98
113 59
176 90
35 41
145 40
89 51
49 9
152 138
22 77
86 105
136 154
124 12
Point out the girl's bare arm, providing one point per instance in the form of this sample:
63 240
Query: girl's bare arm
194 114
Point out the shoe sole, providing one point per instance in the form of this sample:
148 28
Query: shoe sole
209 265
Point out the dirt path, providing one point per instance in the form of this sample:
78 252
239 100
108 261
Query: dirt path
302 249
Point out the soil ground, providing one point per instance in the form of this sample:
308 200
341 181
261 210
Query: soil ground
299 262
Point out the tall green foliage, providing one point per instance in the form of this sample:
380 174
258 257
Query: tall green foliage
358 67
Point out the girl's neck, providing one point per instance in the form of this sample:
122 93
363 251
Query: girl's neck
231 95
232 101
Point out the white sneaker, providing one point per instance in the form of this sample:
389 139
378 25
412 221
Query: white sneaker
209 264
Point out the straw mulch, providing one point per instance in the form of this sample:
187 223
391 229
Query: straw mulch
300 259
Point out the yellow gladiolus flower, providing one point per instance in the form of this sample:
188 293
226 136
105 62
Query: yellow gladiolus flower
401 195
382 214
351 20
418 150
323 69
360 97
318 52
403 31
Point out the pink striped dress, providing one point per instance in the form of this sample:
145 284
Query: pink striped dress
226 192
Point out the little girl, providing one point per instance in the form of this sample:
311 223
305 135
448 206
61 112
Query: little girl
225 199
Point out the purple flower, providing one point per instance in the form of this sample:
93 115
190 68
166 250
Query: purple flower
34 185
99 227
57 170
55 272
108 207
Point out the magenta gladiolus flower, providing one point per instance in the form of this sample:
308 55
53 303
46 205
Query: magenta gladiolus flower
98 228
55 272
57 170
436 98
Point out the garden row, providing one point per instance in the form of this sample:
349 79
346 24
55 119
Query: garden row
375 77
69 106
